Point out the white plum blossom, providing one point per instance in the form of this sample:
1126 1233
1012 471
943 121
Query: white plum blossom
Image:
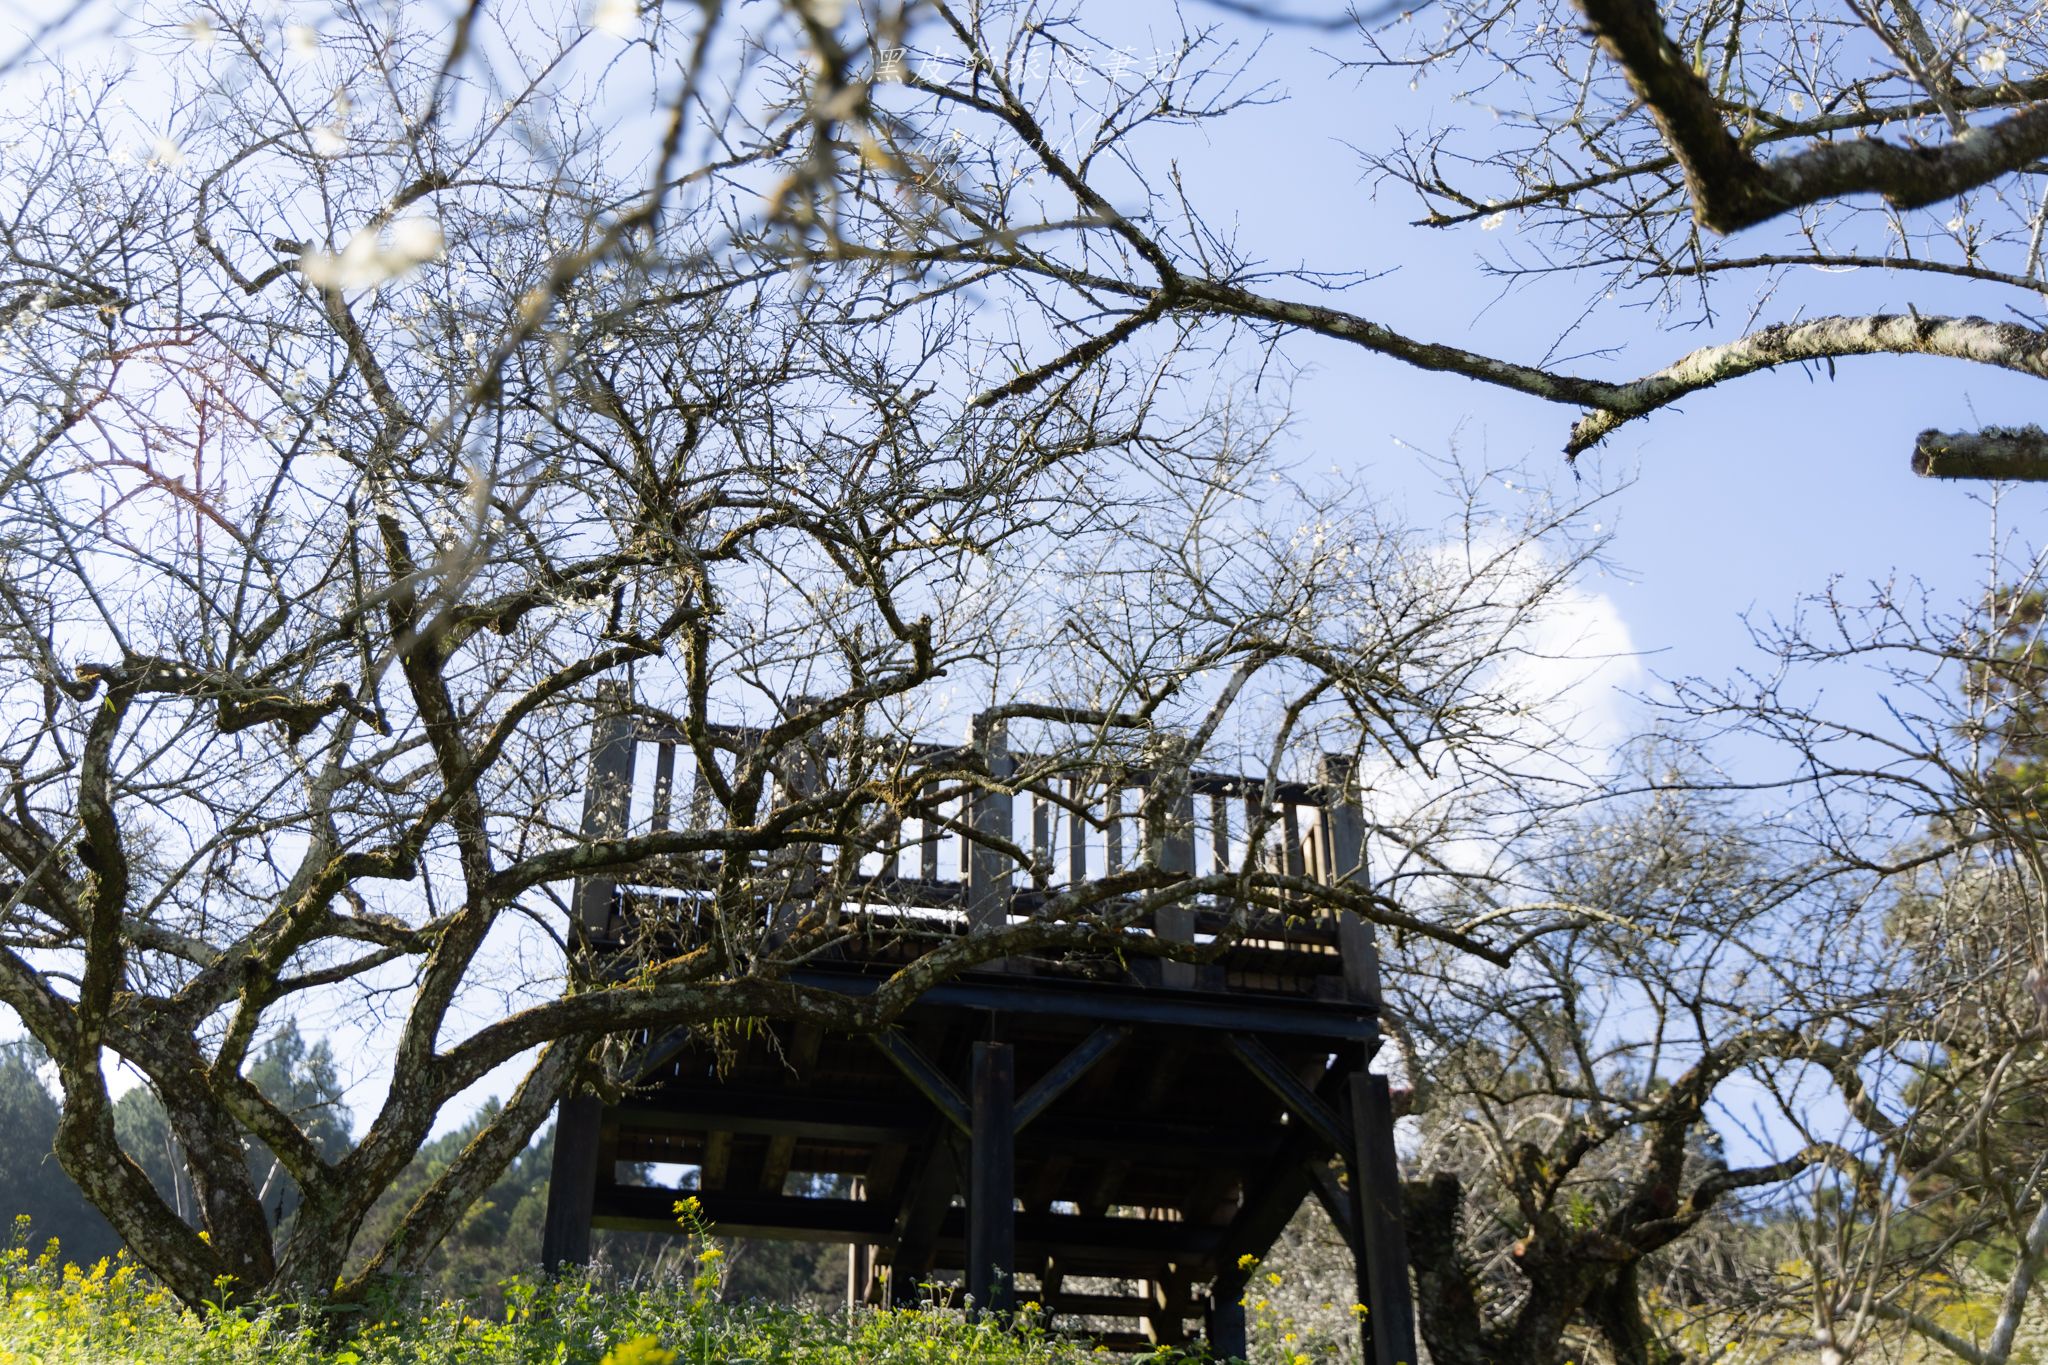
616 18
375 256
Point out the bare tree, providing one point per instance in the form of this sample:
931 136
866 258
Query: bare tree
1624 141
1571 1177
383 409
1929 808
1749 141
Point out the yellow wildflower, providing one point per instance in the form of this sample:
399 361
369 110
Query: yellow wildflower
640 1351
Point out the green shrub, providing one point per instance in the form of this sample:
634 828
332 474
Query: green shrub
52 1313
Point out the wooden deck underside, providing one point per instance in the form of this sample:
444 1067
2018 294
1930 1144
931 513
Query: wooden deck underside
1166 1160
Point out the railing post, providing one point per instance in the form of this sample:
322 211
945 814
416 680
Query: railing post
1170 840
1344 840
800 772
607 803
989 814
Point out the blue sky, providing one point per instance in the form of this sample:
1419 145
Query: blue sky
1744 497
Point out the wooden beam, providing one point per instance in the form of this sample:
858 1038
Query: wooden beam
1301 1102
793 1114
1083 1240
1068 1070
646 1208
661 1049
931 1082
1228 1012
1335 1199
1099 1305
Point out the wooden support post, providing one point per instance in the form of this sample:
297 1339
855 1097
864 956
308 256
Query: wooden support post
572 1184
607 805
860 1273
1113 824
1268 1205
989 814
1225 1327
717 1167
664 783
992 1181
1168 1295
1388 1327
801 1056
931 1181
1077 831
1041 840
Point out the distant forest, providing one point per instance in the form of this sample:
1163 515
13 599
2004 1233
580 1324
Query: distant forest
499 1238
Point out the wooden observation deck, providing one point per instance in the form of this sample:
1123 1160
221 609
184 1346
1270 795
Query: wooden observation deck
1106 1135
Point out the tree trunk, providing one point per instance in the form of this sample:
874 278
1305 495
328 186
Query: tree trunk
90 1154
1446 1305
1615 1309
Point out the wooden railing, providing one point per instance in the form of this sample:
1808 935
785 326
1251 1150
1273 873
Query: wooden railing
968 836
